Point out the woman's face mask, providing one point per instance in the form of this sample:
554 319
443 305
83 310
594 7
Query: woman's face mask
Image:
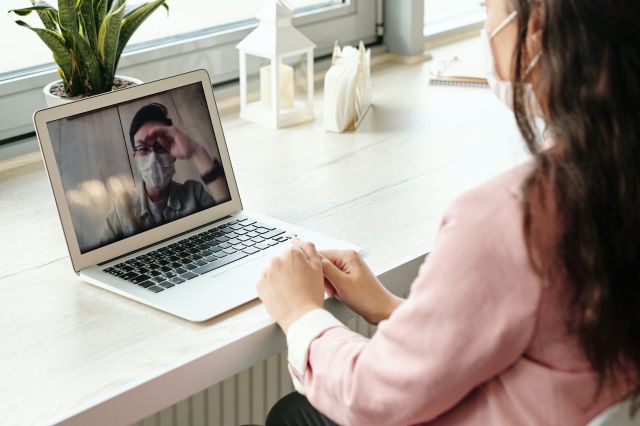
156 169
501 88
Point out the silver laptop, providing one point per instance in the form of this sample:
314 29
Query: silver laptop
148 202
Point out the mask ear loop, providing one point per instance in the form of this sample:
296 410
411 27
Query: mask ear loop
504 23
532 65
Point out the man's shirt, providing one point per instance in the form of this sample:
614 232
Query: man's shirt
130 213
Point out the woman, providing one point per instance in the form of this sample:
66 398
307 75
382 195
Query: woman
527 309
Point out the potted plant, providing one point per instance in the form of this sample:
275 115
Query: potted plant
87 38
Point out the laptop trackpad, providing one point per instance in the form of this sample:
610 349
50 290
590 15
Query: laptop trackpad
247 273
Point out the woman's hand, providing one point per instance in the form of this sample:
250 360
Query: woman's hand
355 285
293 284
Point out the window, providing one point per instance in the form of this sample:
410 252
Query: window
24 52
446 15
196 34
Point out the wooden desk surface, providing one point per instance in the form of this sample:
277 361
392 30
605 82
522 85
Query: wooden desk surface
66 346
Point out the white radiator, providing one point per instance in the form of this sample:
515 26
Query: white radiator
242 399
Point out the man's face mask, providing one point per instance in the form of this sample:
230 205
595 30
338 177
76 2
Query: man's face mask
156 169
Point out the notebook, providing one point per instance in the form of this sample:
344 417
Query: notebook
455 71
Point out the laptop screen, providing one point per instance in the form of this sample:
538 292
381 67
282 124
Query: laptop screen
135 166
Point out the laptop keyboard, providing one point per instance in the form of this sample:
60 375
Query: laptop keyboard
181 261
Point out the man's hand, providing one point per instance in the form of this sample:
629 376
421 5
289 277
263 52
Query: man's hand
172 140
181 146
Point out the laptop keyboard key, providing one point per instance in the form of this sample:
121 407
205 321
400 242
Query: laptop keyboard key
261 246
250 250
271 234
188 275
229 250
139 279
177 280
262 225
156 289
220 262
146 284
166 284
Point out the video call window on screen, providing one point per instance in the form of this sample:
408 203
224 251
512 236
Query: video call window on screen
138 165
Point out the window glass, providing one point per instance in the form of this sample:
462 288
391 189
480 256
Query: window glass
442 15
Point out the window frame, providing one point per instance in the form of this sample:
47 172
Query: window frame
212 49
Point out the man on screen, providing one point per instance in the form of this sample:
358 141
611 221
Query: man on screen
158 199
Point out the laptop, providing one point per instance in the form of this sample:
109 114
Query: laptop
148 201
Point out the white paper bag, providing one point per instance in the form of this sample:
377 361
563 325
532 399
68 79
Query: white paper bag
347 88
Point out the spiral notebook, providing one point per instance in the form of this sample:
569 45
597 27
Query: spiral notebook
457 72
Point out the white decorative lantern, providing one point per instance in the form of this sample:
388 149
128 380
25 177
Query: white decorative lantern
276 39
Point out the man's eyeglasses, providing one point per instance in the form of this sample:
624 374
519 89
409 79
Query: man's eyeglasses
143 149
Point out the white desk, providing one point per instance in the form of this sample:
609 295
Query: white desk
71 351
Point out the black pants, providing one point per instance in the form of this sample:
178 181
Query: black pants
295 410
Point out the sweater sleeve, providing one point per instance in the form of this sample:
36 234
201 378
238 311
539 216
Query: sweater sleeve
470 315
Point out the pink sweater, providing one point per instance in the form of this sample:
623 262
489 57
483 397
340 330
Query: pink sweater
478 342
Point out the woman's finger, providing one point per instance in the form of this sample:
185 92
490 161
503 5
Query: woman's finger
331 271
337 257
307 247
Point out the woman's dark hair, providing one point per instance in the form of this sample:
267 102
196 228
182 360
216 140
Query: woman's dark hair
582 200
152 113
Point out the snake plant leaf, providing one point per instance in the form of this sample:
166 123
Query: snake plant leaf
67 15
92 76
100 11
49 19
44 11
87 14
35 6
115 4
56 44
108 39
134 19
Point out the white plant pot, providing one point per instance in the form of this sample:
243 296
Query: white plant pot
53 100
